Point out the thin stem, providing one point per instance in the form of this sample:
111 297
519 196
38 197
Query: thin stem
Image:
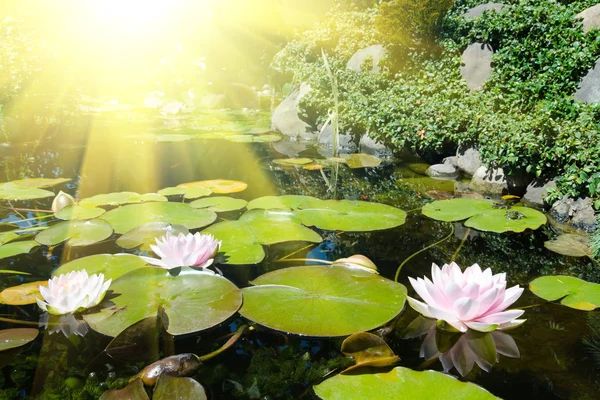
28 209
227 344
422 250
36 218
33 229
18 321
18 213
462 242
295 252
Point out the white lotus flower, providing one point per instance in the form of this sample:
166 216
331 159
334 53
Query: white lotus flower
172 108
61 201
191 250
153 100
73 292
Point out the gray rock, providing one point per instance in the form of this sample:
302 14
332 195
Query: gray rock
345 145
478 11
477 65
589 87
536 192
368 145
239 95
451 161
468 160
286 117
376 53
577 213
590 18
492 181
442 171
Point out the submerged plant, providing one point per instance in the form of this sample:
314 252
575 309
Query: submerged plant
191 250
73 292
474 299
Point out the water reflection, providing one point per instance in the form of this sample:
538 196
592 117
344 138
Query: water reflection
461 351
68 324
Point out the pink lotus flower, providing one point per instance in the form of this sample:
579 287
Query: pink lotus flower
474 299
191 250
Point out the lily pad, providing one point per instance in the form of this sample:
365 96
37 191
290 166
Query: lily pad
514 219
368 350
219 204
23 294
400 383
322 301
361 160
139 342
126 218
192 301
76 233
456 209
218 186
16 248
283 202
145 235
133 391
6 237
112 266
17 337
79 213
188 193
293 161
239 244
11 191
574 292
40 182
570 244
169 388
116 199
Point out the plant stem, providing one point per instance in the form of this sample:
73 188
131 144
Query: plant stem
462 242
227 344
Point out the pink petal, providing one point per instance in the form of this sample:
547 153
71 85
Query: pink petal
501 317
453 292
155 261
419 286
419 307
510 296
466 308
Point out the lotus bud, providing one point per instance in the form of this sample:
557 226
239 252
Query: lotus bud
62 200
357 261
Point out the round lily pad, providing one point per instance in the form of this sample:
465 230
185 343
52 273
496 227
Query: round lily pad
16 248
218 186
188 193
574 292
17 337
322 301
145 235
111 265
400 383
293 161
456 209
23 294
77 233
192 301
219 204
11 191
115 199
283 202
9 236
40 182
570 244
79 213
239 244
361 160
169 388
514 219
126 218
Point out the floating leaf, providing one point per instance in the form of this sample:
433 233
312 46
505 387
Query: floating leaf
361 160
133 391
23 294
514 219
322 301
456 209
218 186
16 248
126 218
169 388
192 301
80 213
239 244
10 191
293 161
6 237
219 204
400 383
40 182
115 199
145 235
283 202
138 342
112 266
570 244
368 350
17 337
77 233
574 292
188 193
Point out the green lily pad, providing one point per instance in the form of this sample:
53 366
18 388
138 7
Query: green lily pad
40 182
219 204
322 301
9 236
16 248
11 191
133 391
112 266
456 209
116 199
293 161
361 160
188 193
283 202
79 213
515 219
126 218
172 137
570 244
400 383
192 301
368 350
12 338
145 235
169 388
239 244
77 233
574 292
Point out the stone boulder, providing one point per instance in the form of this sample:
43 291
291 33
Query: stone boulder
451 161
376 53
286 118
478 11
368 145
589 87
536 192
477 65
590 18
345 142
577 213
491 181
239 96
442 171
468 160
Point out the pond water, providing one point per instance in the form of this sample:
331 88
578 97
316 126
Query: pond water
128 149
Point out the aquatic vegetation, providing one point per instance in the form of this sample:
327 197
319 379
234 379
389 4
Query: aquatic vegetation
80 213
570 244
357 261
28 189
219 204
16 248
474 299
117 199
111 266
191 250
145 235
368 350
61 201
572 291
218 186
75 233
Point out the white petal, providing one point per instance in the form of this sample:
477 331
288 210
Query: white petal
419 307
501 317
